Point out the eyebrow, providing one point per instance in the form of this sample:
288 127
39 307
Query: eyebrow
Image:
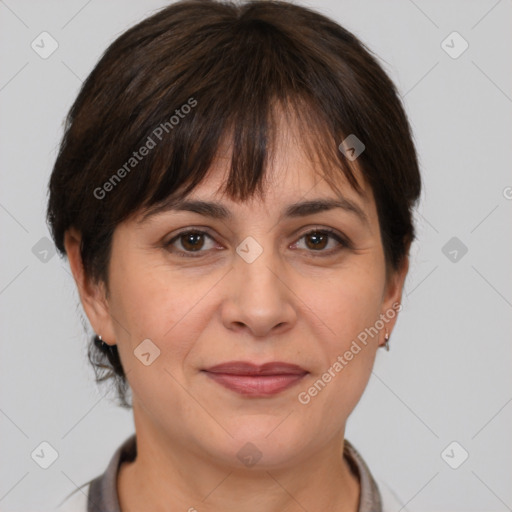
219 211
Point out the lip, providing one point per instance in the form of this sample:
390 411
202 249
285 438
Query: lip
248 368
253 380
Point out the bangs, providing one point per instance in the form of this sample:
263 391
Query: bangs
242 99
251 145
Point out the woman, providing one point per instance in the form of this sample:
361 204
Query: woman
234 193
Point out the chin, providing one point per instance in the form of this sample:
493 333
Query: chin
262 442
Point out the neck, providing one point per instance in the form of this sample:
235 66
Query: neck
155 481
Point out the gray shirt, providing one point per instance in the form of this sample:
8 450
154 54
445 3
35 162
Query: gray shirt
102 490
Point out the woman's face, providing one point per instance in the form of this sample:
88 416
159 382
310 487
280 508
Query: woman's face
255 289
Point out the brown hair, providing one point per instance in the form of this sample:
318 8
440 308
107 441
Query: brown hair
181 81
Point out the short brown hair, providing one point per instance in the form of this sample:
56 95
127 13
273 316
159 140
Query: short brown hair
202 70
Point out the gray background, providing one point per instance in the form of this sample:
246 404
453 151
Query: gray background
448 375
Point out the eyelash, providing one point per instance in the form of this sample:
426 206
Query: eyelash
345 243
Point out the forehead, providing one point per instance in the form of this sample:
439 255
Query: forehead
291 174
295 172
294 190
290 167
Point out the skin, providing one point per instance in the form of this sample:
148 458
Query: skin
287 305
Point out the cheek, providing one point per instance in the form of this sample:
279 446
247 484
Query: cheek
335 389
157 304
347 307
348 303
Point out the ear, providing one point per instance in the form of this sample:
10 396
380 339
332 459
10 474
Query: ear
92 295
392 298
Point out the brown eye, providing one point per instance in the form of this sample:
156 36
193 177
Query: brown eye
188 242
192 241
317 240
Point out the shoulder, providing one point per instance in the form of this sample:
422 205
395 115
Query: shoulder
76 502
390 501
101 491
375 492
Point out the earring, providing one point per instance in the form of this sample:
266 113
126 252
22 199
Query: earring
386 340
101 344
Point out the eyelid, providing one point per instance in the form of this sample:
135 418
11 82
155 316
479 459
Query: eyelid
195 229
341 238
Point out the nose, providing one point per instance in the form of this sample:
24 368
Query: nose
258 298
